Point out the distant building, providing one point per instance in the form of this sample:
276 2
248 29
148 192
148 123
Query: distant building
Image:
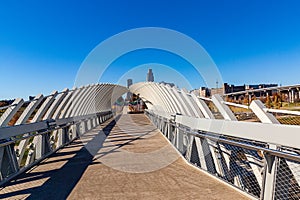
150 76
195 92
129 94
166 83
233 88
214 91
129 82
204 92
227 88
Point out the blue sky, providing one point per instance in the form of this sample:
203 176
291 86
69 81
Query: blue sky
43 43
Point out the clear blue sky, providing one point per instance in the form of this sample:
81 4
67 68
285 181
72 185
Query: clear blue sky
43 43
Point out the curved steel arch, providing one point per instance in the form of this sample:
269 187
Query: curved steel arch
170 99
152 95
47 123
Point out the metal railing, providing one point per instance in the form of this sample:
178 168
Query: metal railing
259 168
55 133
32 130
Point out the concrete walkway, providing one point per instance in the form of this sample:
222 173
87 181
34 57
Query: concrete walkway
126 158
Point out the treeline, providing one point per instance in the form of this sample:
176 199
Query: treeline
6 102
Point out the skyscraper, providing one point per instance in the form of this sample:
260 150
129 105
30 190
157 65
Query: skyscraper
129 94
129 82
150 77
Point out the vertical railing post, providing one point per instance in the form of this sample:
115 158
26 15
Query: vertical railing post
269 176
271 162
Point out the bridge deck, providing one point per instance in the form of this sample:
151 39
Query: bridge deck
129 159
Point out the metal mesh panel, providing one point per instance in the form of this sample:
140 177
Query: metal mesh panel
241 162
245 168
194 155
171 135
287 180
6 164
241 167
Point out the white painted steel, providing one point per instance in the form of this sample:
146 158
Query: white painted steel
58 109
269 133
68 108
258 108
10 112
29 109
62 104
190 103
55 104
43 109
223 109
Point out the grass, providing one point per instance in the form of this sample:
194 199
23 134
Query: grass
291 120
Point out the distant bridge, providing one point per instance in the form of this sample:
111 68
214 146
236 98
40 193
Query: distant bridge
292 92
72 144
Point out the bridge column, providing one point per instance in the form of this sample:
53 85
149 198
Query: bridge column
291 96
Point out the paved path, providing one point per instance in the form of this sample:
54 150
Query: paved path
126 158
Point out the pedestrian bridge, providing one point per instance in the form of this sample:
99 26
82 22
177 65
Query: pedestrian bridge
74 144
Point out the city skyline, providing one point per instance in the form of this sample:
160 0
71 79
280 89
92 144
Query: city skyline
250 42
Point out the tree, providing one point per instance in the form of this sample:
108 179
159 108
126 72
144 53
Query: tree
268 101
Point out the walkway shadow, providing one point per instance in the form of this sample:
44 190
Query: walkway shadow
61 181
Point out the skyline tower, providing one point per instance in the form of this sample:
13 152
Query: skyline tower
150 76
129 94
129 82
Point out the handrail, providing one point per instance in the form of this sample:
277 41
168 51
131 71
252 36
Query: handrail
272 151
50 124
